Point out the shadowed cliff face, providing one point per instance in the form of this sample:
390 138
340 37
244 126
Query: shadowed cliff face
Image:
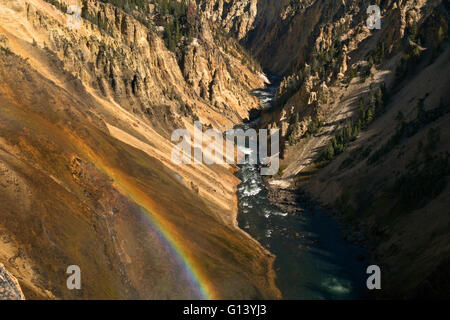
363 114
85 171
276 32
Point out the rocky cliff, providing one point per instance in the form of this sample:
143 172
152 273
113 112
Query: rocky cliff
86 175
236 17
9 286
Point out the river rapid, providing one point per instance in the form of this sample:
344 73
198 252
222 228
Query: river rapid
313 261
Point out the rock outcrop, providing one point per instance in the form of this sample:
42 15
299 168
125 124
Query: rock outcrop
9 286
237 17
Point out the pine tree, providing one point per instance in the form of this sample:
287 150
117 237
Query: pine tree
329 152
369 116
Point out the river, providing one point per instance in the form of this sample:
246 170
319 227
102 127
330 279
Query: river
313 261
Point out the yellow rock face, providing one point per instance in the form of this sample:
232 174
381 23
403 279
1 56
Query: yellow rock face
85 171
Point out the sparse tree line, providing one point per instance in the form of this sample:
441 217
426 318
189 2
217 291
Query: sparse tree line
407 64
320 64
179 18
425 176
376 106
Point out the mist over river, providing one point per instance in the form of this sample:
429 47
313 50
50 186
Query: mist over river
313 261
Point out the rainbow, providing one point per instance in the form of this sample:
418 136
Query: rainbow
166 230
191 271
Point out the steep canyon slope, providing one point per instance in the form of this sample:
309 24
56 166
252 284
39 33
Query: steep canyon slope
86 176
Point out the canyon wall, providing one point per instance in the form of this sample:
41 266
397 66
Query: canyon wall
86 175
